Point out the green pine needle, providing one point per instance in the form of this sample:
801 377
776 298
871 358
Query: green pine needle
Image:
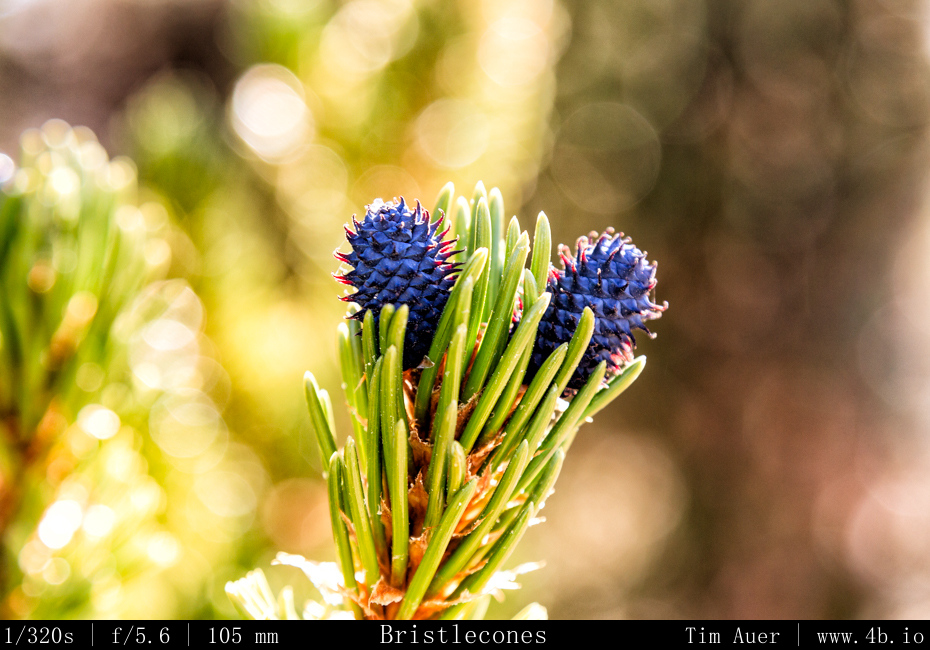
318 417
542 249
375 459
467 547
615 387
501 318
461 229
523 338
444 201
576 348
439 541
340 532
458 307
400 521
359 514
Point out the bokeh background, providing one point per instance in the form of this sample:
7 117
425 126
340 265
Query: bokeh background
774 458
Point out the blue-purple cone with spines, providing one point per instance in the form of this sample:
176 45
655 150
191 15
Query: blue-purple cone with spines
614 279
399 257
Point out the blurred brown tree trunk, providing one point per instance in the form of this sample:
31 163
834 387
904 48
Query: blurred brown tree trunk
789 147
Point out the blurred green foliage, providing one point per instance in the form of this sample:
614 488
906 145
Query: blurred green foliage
121 485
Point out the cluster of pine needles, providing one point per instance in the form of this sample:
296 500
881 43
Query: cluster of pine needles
449 462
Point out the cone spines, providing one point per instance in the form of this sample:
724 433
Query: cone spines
399 257
614 279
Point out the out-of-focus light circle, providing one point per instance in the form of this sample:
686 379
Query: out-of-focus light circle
316 185
292 8
120 174
58 133
513 51
366 35
107 594
164 354
540 11
121 462
147 495
41 277
59 524
34 557
155 215
99 520
226 494
185 426
7 168
157 253
607 157
269 112
81 309
163 548
452 132
388 182
92 155
64 260
167 334
99 422
33 588
64 180
166 115
294 514
56 571
129 218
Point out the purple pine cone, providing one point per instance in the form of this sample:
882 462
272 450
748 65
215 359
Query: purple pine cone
399 258
613 278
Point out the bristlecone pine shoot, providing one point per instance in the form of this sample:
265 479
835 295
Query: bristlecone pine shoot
453 373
